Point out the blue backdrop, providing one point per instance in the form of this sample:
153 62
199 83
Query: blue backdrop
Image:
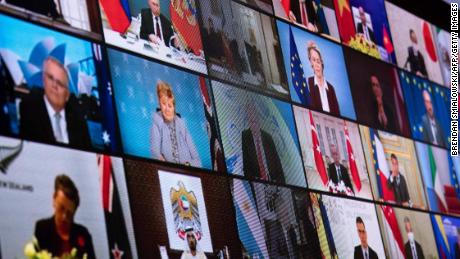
134 80
413 87
334 65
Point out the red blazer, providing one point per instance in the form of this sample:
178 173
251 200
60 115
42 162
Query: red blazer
315 97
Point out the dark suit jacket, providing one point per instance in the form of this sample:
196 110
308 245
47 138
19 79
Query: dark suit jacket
428 133
48 238
147 26
400 191
311 13
416 62
418 249
332 172
250 163
360 29
392 121
36 125
359 253
315 97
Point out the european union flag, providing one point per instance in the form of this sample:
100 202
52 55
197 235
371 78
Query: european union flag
298 78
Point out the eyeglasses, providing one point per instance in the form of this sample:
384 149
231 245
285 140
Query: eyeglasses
51 78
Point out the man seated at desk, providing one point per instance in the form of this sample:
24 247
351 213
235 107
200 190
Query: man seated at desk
155 27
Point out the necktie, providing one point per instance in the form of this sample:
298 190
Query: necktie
366 33
339 174
366 255
157 25
397 180
414 252
57 127
433 131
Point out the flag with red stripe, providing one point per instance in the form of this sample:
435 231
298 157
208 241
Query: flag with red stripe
351 159
118 14
317 153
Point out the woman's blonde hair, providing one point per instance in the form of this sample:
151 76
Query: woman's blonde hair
163 88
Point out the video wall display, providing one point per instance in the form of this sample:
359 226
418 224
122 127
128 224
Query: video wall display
55 88
226 129
78 201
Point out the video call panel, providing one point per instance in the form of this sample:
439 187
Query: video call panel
248 129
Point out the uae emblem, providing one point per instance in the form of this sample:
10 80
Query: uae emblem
185 211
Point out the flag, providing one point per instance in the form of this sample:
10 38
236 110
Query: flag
438 188
322 17
381 167
118 14
327 228
250 228
114 219
184 19
393 235
317 153
217 158
298 77
387 41
428 39
351 160
441 237
286 6
344 20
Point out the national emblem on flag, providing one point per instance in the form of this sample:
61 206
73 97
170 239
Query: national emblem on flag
351 159
320 167
184 20
185 211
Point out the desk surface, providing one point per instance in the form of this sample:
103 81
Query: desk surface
160 52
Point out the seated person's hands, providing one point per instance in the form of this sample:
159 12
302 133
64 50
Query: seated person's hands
153 38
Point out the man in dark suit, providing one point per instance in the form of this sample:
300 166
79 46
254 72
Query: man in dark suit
412 248
363 250
155 27
311 20
260 156
336 171
382 113
397 183
59 234
415 58
52 115
363 28
432 131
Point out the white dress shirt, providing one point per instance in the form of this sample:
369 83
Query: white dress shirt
62 124
323 93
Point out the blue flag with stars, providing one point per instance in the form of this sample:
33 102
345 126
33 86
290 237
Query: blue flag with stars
298 77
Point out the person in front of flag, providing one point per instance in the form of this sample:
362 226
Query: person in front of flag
397 183
415 58
432 131
363 250
322 93
155 27
170 138
59 234
52 114
338 173
363 28
192 250
412 248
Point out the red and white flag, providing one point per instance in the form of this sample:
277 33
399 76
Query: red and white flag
317 153
351 159
393 235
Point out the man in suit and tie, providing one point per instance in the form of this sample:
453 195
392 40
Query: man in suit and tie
336 171
415 58
155 27
363 28
260 156
397 183
412 248
52 115
432 131
363 250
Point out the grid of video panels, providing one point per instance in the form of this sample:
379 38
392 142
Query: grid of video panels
225 129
